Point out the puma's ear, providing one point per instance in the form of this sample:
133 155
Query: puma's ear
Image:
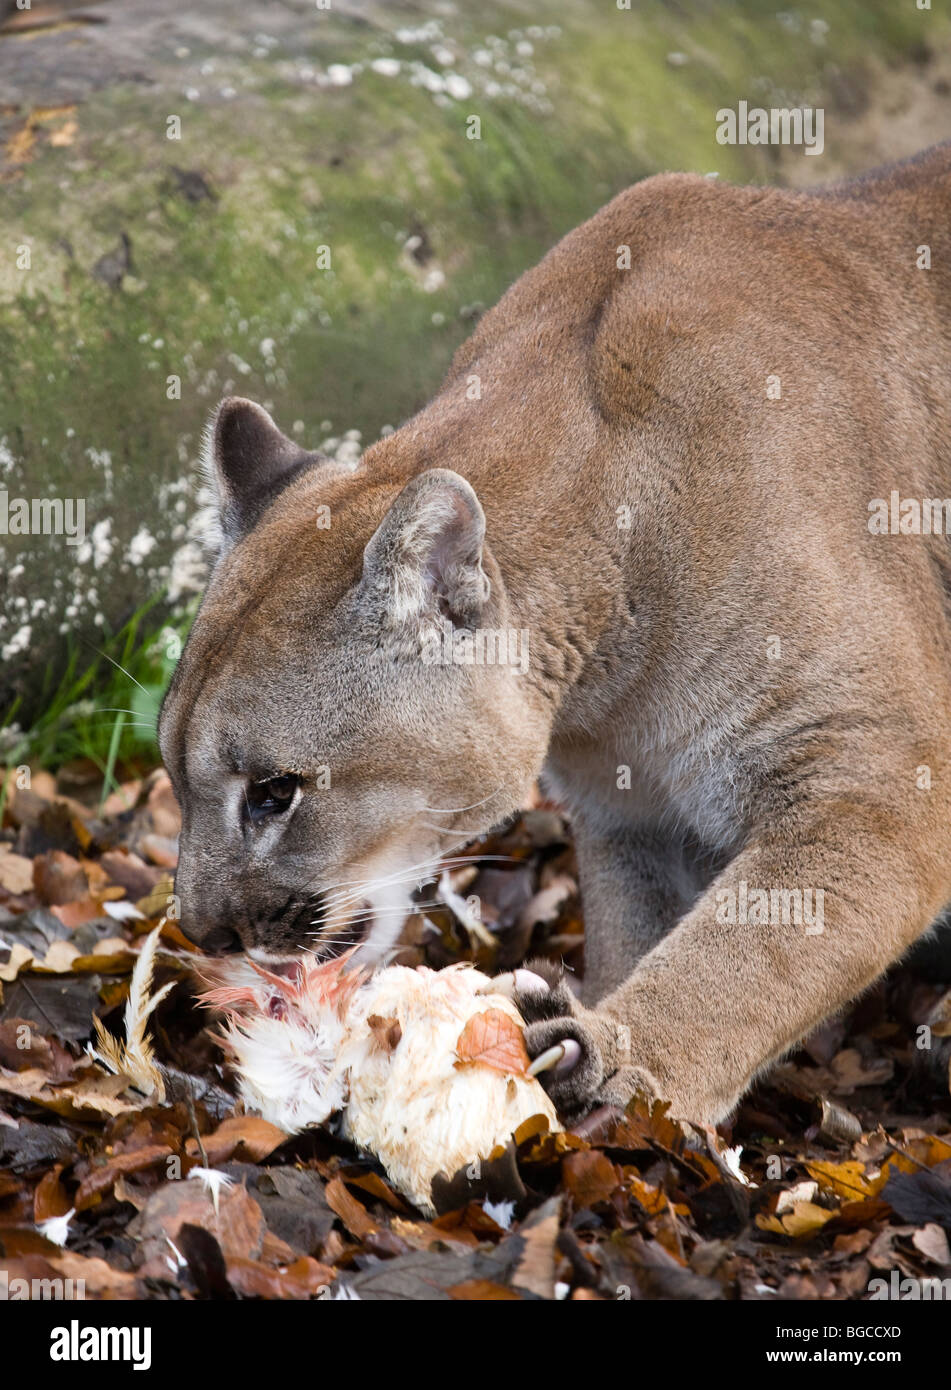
425 557
247 461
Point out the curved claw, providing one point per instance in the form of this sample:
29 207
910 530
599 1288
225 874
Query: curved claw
563 1056
521 981
547 1059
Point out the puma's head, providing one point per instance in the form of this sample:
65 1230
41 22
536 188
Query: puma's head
324 753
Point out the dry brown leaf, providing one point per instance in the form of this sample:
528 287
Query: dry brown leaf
58 959
75 914
853 1242
647 1119
106 959
851 1071
96 876
134 1193
16 872
237 1225
20 957
926 1151
352 1213
19 147
804 1220
421 1235
932 1241
98 1277
50 1197
386 1031
122 800
101 1178
305 1278
531 1128
652 1199
929 1149
848 1180
23 1047
58 878
160 850
93 1093
493 1039
536 1269
552 1146
376 1186
164 808
590 1178
482 1291
80 830
246 1137
862 1213
155 902
545 904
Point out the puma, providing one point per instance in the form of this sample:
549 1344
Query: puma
662 477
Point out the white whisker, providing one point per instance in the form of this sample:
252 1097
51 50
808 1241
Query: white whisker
115 709
119 667
457 810
452 830
419 872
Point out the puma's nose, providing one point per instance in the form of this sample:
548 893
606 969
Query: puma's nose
220 941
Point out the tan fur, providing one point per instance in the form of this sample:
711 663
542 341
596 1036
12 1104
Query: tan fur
645 388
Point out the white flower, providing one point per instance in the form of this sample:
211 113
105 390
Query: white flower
141 544
18 642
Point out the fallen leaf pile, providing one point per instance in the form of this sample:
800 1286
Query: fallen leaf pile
835 1172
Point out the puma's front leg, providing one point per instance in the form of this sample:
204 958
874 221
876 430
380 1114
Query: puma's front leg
635 885
739 981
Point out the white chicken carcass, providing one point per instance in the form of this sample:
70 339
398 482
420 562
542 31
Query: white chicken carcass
427 1068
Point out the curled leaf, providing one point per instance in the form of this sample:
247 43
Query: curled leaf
494 1040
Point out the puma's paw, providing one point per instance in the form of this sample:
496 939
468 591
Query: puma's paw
581 1056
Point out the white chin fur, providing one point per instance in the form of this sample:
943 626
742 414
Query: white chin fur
266 958
385 932
390 905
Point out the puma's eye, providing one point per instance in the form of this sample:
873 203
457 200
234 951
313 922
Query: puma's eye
271 797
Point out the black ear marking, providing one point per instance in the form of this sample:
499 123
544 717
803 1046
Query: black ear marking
249 461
